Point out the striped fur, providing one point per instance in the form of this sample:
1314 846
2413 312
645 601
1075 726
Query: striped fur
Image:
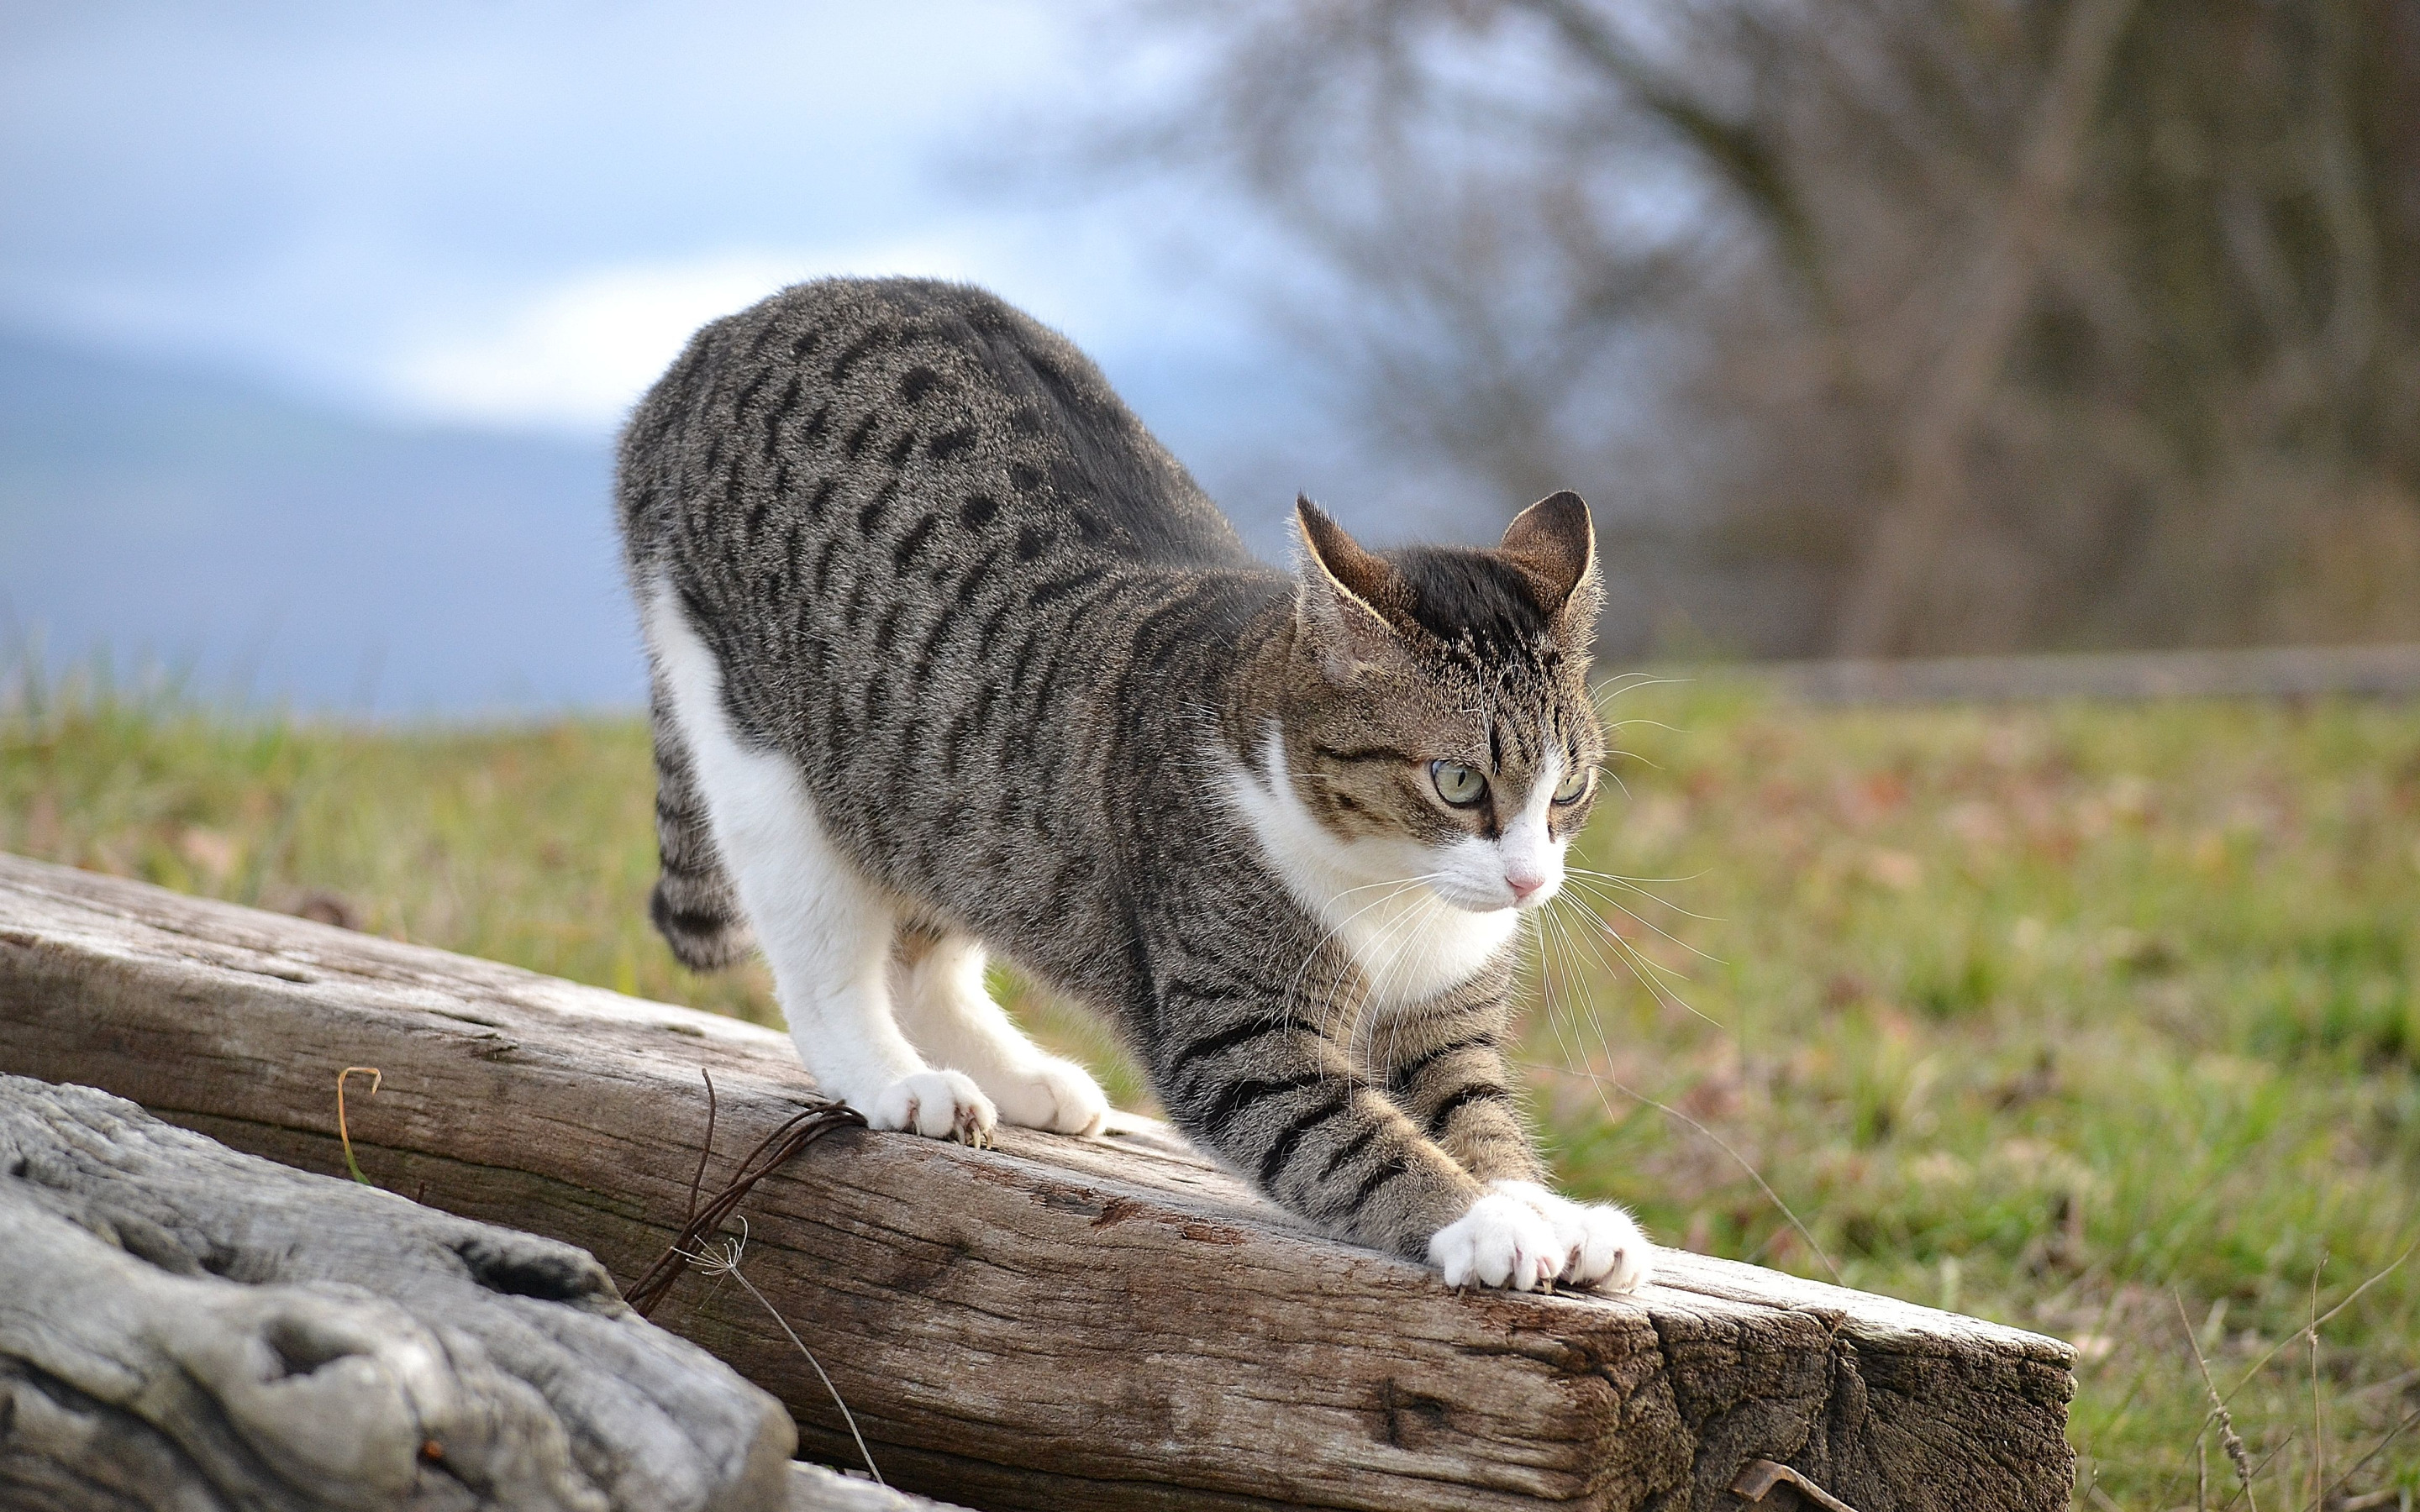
693 905
1026 693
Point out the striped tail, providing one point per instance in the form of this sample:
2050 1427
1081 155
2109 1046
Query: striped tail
694 906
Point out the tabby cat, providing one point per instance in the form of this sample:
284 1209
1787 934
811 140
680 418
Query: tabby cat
950 655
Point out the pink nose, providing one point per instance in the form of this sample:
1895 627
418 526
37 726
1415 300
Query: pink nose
1523 885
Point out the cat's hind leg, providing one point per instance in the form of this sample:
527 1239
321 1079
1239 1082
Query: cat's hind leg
826 933
937 983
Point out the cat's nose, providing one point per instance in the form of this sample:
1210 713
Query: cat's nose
1523 884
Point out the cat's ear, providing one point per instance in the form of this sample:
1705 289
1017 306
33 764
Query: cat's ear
1553 543
1338 601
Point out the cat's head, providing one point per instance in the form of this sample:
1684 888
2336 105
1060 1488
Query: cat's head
1441 725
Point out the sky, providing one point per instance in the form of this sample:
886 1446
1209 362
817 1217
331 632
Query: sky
512 213
497 221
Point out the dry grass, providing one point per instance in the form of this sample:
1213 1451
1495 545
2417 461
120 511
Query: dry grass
2064 1017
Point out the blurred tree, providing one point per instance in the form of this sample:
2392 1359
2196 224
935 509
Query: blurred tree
1873 326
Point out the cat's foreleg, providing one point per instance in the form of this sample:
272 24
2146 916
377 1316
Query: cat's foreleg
823 929
1450 1079
1446 1073
1278 1100
949 1014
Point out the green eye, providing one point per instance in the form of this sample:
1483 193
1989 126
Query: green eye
1572 786
1457 784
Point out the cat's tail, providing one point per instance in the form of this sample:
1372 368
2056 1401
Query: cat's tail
694 906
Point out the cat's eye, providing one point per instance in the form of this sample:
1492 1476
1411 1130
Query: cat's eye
1574 783
1457 784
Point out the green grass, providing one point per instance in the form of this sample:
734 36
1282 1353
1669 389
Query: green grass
2058 1016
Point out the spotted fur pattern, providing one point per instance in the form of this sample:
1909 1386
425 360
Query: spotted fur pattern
951 656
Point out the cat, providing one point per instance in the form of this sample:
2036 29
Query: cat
950 656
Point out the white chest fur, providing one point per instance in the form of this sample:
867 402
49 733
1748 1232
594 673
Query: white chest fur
1409 943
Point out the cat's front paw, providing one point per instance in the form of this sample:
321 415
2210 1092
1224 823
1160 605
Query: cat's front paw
1501 1242
938 1105
1600 1244
1052 1094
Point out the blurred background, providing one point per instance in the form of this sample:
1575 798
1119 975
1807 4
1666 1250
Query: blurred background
317 322
1870 327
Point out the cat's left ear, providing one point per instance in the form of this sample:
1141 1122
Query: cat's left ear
1553 543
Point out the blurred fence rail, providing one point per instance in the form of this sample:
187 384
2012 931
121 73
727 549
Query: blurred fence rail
2280 671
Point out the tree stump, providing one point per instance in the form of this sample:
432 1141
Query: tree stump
1056 1323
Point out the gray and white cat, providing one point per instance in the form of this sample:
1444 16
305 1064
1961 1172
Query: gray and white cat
950 655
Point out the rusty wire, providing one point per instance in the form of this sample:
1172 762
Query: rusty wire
771 1153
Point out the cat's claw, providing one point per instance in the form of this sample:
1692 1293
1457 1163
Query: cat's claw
1052 1094
1600 1244
938 1105
1501 1242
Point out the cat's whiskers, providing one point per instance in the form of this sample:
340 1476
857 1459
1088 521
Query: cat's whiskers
1372 982
1553 930
1603 896
1607 879
1552 933
1415 932
1395 1022
1617 876
1613 687
1579 1065
1423 943
1397 888
1425 876
1418 941
1600 1081
1648 972
1578 897
1622 682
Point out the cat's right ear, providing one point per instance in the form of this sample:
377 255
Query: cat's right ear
1337 602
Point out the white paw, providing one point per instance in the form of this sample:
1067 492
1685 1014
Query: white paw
1053 1094
1501 1242
938 1105
1600 1244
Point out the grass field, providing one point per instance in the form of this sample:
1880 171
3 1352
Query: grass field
2103 1021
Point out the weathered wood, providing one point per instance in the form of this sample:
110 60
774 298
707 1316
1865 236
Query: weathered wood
1055 1323
184 1326
816 1489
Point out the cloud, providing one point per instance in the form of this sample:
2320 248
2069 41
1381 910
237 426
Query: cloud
577 355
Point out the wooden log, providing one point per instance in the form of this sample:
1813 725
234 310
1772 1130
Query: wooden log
819 1489
186 1326
1060 1323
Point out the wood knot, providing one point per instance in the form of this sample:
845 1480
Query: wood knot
1408 1420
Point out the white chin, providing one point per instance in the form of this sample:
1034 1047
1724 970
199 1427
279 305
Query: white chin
1470 903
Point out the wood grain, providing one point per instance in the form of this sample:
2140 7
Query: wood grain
187 1327
1103 1324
